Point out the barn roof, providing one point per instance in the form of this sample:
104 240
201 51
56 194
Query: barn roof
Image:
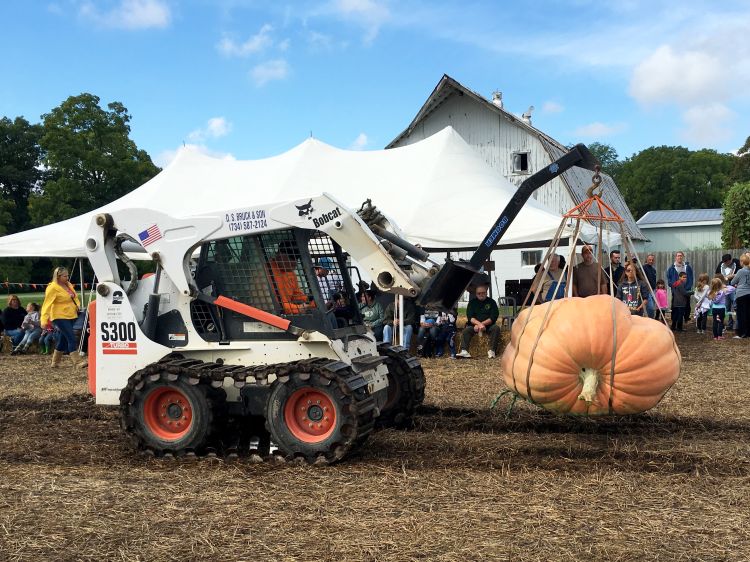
681 217
576 180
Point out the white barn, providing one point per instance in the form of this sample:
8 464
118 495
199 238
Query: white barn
516 149
688 229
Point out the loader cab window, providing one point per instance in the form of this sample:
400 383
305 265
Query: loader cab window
273 272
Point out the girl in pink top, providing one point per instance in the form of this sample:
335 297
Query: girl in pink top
661 296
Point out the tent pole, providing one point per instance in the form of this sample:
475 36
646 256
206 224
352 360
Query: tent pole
80 277
401 320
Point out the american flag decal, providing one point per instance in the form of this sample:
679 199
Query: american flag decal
151 234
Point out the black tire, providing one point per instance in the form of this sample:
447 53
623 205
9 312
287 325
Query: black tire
406 384
168 414
335 413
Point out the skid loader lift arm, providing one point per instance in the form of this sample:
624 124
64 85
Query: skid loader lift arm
449 284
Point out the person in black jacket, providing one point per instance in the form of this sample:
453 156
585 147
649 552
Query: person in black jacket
615 270
13 316
728 266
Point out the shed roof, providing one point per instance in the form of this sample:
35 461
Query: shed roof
682 216
576 180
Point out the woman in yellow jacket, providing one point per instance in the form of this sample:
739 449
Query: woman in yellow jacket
61 307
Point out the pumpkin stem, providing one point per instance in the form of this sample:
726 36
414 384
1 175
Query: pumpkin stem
590 379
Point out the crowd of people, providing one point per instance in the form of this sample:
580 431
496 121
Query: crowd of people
724 297
52 325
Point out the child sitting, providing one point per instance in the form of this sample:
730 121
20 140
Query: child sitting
446 324
31 329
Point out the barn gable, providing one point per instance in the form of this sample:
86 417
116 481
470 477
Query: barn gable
509 144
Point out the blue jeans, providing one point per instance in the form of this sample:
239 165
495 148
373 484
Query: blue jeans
650 306
446 333
30 336
408 331
15 336
48 339
66 342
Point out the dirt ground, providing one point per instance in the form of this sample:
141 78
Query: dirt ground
467 483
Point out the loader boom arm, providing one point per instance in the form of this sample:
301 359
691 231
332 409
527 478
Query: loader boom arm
450 283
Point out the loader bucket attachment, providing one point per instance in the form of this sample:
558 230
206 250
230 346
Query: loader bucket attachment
444 290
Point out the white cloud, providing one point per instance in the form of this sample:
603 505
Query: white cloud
215 128
165 157
360 143
702 76
269 71
552 107
319 41
707 125
255 44
686 77
369 14
598 130
129 14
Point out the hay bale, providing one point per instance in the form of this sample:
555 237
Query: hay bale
480 344
6 346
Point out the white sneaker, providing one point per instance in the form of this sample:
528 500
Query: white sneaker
463 354
491 354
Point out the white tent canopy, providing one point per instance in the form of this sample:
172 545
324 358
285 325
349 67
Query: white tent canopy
439 192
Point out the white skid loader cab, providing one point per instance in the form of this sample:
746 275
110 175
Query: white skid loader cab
236 326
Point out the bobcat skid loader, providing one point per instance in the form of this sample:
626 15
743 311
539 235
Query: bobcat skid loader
240 343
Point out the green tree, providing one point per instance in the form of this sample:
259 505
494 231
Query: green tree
673 177
741 169
607 156
735 228
90 158
20 171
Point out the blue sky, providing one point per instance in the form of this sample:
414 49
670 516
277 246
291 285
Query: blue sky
250 79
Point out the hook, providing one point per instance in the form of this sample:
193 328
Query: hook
596 180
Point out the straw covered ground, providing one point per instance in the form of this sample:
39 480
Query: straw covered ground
466 483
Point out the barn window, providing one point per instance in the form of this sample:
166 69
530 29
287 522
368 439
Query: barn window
531 257
520 162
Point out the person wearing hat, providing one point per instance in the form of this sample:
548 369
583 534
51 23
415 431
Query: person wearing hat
329 280
729 267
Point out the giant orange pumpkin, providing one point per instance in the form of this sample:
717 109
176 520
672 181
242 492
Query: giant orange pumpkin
561 355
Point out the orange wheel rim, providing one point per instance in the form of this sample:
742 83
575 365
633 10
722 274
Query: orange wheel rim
168 413
310 415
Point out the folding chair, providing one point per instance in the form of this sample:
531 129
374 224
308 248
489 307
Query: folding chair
508 311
